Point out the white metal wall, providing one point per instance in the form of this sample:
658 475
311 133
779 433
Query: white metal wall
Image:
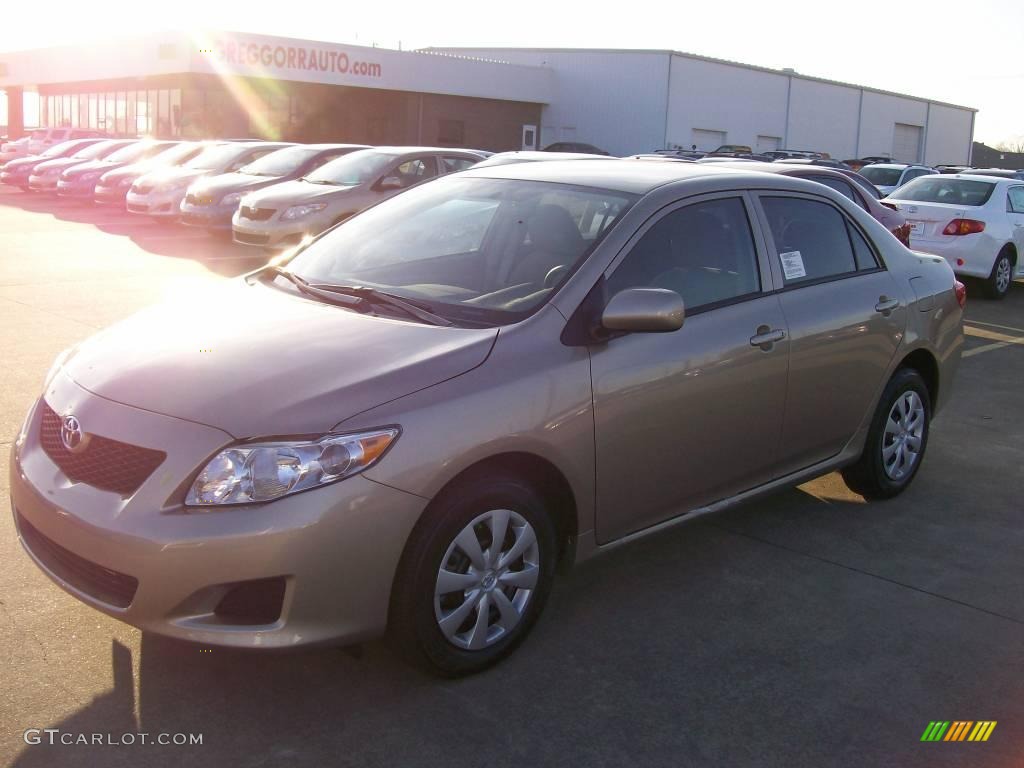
741 102
823 117
948 137
614 101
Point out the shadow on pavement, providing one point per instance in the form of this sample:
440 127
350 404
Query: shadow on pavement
217 252
694 647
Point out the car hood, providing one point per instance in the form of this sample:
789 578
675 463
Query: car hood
93 165
256 361
22 163
133 171
165 175
61 163
226 183
293 193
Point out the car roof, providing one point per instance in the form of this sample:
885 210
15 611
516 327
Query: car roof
417 150
634 177
334 146
978 177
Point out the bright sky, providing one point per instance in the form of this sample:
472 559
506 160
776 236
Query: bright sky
968 53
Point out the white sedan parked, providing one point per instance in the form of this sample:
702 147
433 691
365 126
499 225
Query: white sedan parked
975 222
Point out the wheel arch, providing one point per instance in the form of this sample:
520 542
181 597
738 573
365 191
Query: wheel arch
546 478
924 362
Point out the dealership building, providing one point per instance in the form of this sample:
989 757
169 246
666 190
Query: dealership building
225 84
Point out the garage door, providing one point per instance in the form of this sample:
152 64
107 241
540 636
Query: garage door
707 141
768 143
906 143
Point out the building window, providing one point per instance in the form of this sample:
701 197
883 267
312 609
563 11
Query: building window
451 132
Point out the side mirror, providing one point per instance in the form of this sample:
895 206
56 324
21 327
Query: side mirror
390 182
644 310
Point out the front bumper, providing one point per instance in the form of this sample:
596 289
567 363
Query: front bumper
162 205
14 179
335 548
109 195
208 216
43 183
275 233
75 188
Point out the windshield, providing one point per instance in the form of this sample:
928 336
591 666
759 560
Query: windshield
882 177
931 189
472 249
280 163
94 151
215 157
352 170
177 153
133 152
57 150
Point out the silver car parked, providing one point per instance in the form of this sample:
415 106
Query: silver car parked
409 425
282 215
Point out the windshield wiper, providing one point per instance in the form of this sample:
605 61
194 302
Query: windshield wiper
318 181
374 296
332 297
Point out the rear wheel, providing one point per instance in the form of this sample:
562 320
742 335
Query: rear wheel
999 282
896 439
474 577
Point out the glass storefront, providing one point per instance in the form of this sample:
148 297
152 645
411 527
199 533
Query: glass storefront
156 112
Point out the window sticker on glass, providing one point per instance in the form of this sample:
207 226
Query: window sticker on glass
792 265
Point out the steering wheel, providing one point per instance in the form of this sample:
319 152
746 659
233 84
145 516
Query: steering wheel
554 275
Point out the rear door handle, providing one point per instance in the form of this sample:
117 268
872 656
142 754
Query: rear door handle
886 305
766 337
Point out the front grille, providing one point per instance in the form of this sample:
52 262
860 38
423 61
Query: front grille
255 214
250 239
136 208
106 464
101 583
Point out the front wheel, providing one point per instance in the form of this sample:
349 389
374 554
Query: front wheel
474 577
999 282
896 439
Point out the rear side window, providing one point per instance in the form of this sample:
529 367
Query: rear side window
1015 200
704 252
811 238
840 186
862 252
454 164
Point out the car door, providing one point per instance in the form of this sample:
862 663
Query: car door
1015 212
686 418
845 314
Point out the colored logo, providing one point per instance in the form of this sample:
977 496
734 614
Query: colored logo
958 730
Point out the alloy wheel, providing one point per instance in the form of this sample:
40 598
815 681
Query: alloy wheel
486 580
903 436
1003 274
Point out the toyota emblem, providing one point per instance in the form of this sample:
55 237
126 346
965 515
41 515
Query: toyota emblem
71 434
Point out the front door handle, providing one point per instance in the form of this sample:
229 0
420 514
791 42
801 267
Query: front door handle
886 305
766 337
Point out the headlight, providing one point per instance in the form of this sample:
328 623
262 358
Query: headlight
298 211
90 176
265 471
233 199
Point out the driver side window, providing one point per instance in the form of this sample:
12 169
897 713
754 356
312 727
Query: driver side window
704 252
413 171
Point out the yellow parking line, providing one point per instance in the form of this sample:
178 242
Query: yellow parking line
1000 340
996 325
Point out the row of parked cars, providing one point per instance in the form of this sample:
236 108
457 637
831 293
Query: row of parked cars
274 195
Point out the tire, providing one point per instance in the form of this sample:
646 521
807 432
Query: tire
879 473
998 284
469 644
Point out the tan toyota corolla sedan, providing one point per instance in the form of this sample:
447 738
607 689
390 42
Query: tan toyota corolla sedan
408 425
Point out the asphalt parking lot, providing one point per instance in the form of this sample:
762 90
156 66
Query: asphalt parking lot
806 629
